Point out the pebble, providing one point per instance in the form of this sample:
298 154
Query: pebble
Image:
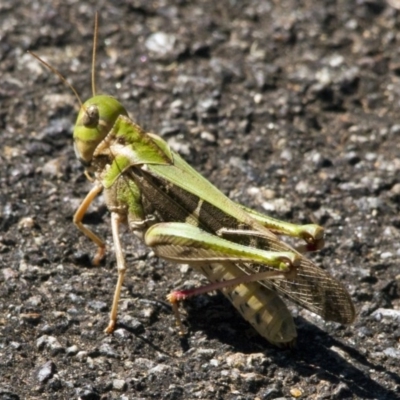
385 255
386 313
26 223
205 354
394 3
88 393
9 273
132 324
280 206
51 343
236 360
98 305
108 351
72 350
392 352
295 392
159 369
119 384
34 301
82 355
144 363
160 43
208 136
272 392
46 371
53 168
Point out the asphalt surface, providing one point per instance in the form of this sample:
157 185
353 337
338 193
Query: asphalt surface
288 107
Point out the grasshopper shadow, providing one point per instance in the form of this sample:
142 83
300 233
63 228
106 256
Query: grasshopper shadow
317 355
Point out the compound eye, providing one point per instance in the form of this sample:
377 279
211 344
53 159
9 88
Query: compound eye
91 117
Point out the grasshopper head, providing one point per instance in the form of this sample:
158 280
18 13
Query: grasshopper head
95 120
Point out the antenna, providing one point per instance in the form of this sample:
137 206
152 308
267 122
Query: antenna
52 69
64 80
95 35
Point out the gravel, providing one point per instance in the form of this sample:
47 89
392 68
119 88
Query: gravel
290 107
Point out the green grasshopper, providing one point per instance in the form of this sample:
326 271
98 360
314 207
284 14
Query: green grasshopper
186 219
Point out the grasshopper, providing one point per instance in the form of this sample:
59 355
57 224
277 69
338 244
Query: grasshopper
184 218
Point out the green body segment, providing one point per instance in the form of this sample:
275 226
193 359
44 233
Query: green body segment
127 145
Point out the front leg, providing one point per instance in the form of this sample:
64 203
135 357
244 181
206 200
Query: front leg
78 217
116 220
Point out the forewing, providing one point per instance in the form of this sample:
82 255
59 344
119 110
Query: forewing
311 287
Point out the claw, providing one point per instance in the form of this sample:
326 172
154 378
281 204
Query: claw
111 327
99 255
174 298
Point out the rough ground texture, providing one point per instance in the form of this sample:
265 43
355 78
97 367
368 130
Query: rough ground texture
290 107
